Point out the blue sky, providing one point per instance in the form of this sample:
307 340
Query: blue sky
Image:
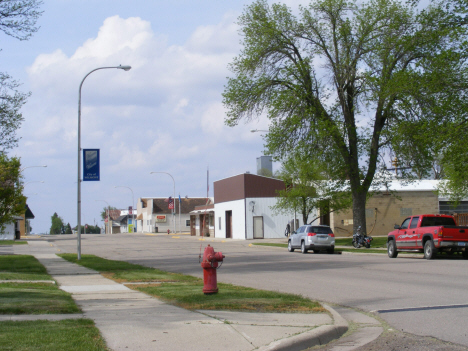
166 114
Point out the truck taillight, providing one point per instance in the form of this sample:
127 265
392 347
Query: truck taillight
332 235
440 232
311 234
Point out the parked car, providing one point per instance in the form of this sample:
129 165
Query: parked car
312 237
429 234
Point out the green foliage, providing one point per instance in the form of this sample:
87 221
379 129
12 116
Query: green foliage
68 229
17 19
347 80
308 187
57 226
12 201
105 210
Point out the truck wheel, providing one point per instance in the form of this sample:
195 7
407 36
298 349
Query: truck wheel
290 248
303 248
391 249
429 250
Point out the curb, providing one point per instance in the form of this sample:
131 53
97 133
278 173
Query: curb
318 336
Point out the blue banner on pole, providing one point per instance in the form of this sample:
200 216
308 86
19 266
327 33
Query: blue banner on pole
91 165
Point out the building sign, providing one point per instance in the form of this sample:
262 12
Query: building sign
91 165
160 219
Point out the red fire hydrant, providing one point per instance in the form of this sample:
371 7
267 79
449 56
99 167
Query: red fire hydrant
210 264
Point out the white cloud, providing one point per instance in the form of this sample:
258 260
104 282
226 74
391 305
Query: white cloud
163 115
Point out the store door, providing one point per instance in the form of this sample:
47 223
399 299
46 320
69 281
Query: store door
228 224
258 227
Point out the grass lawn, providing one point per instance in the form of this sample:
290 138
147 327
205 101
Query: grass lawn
22 267
12 242
35 298
29 297
68 334
186 291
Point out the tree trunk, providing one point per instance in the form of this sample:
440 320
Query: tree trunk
359 210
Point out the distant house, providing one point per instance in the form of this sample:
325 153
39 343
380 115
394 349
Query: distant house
17 228
154 215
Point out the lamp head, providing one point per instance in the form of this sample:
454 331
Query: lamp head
125 68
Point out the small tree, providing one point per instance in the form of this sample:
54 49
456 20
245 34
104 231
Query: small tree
57 226
308 188
68 229
105 210
12 201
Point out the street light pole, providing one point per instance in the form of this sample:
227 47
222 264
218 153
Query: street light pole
133 202
108 216
78 211
173 197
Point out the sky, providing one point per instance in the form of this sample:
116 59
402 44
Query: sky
164 115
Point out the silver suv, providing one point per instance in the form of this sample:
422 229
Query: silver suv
312 237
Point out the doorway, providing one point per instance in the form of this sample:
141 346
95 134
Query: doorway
258 227
228 224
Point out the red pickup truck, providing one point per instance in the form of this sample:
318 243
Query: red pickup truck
429 234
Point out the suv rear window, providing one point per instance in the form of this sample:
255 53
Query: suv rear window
321 230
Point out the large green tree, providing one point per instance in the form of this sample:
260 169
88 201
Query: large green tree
18 20
12 201
350 79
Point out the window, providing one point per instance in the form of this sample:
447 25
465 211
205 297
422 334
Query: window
187 222
405 224
321 230
414 222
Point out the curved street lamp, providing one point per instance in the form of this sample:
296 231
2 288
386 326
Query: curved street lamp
133 202
22 169
173 198
78 227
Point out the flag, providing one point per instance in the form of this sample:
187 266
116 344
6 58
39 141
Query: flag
179 199
168 199
171 203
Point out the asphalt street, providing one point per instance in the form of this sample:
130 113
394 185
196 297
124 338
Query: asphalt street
414 295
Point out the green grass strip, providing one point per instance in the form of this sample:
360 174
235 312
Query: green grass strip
12 242
187 291
35 298
69 334
22 267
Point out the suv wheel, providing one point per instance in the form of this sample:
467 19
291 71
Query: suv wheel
290 248
303 248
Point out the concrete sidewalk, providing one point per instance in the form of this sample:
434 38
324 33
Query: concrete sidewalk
131 320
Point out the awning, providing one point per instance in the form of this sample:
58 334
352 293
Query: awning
140 216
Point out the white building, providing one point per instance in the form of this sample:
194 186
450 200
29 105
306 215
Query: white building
243 208
154 215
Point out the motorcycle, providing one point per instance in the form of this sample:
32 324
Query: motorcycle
361 240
